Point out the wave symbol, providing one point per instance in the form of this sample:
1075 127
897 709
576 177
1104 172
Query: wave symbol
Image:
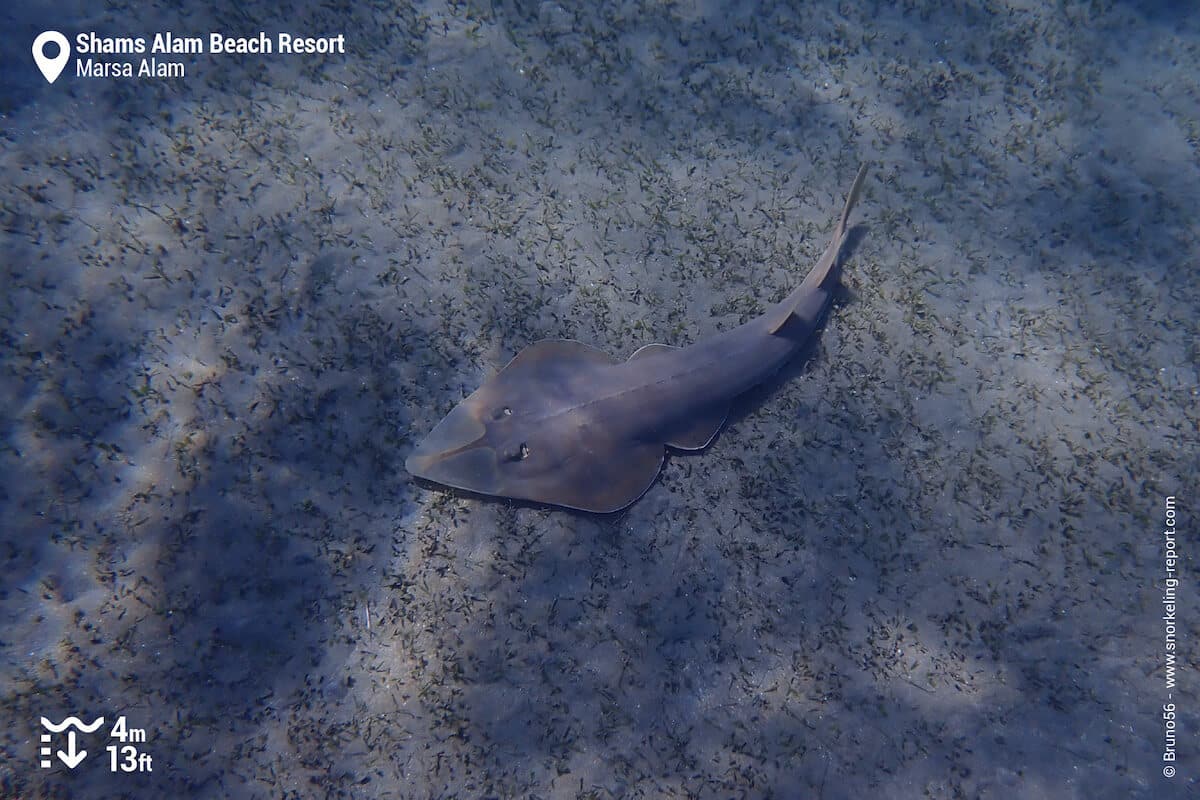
68 722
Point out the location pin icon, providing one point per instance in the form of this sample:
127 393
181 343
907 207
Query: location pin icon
51 67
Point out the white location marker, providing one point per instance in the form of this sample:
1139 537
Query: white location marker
51 67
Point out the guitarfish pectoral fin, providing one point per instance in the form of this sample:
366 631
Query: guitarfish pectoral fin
525 434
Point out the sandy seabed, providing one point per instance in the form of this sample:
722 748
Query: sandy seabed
928 562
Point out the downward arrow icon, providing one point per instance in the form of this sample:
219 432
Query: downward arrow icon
71 758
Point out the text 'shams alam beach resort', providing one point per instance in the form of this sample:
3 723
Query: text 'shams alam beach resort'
642 399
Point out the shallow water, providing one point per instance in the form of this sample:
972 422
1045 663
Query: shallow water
926 562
